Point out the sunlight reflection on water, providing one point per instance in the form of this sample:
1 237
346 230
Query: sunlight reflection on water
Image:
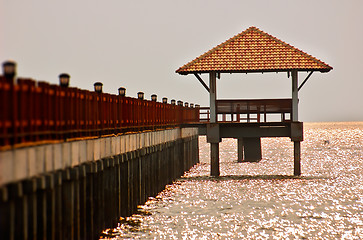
263 200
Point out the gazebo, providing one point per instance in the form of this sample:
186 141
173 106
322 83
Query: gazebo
252 51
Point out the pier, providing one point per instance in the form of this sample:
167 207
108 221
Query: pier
73 161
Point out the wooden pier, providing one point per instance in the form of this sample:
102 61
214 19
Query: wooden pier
72 161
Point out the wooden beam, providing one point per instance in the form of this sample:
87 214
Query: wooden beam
295 97
302 84
213 97
201 81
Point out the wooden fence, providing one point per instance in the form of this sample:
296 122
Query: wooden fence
35 111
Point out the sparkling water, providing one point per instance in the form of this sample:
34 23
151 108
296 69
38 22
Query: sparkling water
263 200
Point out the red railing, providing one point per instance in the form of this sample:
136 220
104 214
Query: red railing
33 111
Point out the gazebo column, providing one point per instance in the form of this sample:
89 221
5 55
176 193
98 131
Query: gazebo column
252 149
249 149
240 146
213 127
295 118
295 97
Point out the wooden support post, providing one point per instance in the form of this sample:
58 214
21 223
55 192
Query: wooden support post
83 201
238 113
297 165
214 145
58 205
213 97
76 202
214 170
124 186
264 114
30 188
295 97
90 178
7 224
240 147
41 208
295 118
19 213
252 149
50 206
68 205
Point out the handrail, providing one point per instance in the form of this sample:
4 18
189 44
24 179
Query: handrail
247 110
33 111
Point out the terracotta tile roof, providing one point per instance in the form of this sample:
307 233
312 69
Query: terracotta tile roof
254 51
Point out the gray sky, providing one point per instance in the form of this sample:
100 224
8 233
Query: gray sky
140 44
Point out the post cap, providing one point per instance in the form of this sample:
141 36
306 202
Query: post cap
122 91
64 79
140 95
9 69
98 87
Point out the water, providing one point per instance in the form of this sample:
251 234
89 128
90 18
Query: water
263 200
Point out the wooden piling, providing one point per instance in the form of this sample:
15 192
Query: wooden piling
240 147
214 149
6 224
90 205
76 203
83 202
30 188
252 149
19 213
67 205
79 202
50 206
297 158
41 208
58 205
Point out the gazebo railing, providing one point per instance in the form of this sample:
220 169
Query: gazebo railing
249 110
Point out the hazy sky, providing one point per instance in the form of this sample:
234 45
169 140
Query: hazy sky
140 44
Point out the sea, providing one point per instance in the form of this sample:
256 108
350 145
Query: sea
263 200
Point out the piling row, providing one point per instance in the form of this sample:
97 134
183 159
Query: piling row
80 202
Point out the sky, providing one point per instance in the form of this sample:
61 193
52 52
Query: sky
139 44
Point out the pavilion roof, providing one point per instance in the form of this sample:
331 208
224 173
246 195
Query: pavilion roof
253 51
